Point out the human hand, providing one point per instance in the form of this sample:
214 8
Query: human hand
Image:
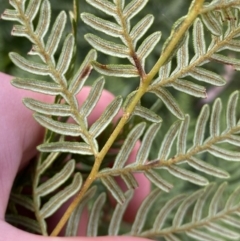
17 147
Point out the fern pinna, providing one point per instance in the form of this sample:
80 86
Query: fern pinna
56 175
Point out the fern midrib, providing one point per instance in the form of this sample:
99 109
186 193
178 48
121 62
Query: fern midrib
195 63
189 226
58 76
220 6
141 91
173 160
129 41
193 12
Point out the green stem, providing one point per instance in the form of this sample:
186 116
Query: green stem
192 15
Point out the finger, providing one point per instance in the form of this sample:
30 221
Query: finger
10 233
20 133
17 131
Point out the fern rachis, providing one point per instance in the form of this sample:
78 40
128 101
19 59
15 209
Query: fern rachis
84 160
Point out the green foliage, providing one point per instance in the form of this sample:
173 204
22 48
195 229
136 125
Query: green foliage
76 158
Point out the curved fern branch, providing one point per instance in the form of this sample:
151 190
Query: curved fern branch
219 224
178 132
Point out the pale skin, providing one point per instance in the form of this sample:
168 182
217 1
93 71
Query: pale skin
19 136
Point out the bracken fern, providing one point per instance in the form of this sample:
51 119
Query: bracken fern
84 165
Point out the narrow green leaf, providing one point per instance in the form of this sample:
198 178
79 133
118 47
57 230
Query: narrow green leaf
224 154
73 222
83 72
183 55
158 181
212 23
182 135
22 200
168 141
66 54
201 126
29 66
128 145
47 109
214 205
32 9
234 222
233 140
231 202
175 28
55 202
232 110
165 211
233 45
222 231
44 20
47 162
201 202
171 237
104 5
133 8
58 127
207 76
56 34
57 180
11 15
226 60
215 118
141 28
164 73
169 101
67 146
114 189
25 222
102 25
205 167
200 235
148 45
93 97
107 116
107 47
119 70
129 180
146 144
95 215
147 114
143 211
190 88
40 86
117 215
181 212
21 31
198 38
187 175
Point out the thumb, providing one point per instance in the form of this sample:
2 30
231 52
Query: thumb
11 233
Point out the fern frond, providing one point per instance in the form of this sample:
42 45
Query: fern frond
94 215
222 39
128 35
211 226
73 222
24 222
119 210
201 144
66 105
